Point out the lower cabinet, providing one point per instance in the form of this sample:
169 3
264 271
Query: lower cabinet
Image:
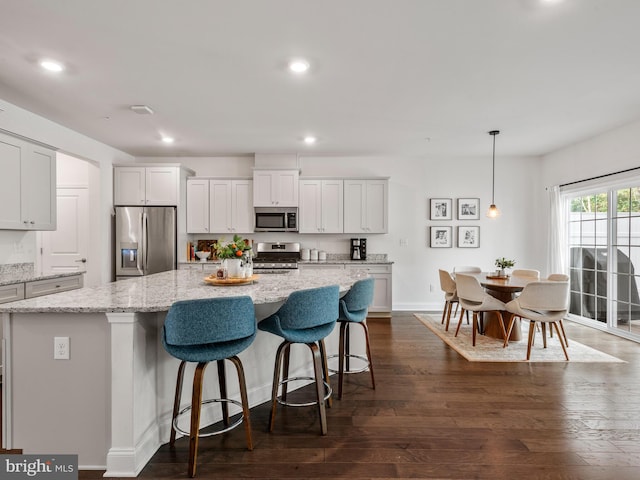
382 298
37 288
11 293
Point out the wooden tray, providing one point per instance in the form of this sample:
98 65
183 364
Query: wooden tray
212 280
498 277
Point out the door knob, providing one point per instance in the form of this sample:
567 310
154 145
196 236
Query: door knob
83 260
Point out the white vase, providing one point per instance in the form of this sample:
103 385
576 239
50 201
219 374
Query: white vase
234 267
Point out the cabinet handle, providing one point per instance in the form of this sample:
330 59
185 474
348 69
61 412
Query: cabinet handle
32 222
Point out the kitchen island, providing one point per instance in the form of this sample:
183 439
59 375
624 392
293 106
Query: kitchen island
111 402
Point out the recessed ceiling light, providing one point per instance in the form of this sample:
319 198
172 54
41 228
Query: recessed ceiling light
310 140
52 65
298 66
167 140
142 109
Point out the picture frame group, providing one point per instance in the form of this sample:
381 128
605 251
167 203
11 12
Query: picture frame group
467 208
442 236
442 208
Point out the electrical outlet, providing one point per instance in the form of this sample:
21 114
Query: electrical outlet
404 242
61 348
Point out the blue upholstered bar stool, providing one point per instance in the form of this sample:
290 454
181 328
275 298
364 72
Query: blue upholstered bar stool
354 307
203 331
307 317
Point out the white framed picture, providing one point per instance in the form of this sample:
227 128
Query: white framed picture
468 237
440 237
468 209
440 209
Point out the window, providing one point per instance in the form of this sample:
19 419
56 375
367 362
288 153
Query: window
604 255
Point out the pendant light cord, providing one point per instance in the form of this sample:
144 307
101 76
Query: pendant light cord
493 133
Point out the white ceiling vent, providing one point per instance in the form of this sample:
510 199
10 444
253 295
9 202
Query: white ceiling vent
142 109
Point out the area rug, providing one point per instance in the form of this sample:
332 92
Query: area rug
489 349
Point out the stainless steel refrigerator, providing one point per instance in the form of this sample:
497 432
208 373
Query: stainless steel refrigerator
145 240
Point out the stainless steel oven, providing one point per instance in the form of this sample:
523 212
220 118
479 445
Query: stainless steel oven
276 257
276 219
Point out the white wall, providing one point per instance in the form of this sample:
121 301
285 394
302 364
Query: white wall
20 246
412 182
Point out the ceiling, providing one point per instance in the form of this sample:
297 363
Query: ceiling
424 78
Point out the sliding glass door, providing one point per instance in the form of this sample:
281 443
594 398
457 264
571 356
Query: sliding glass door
604 253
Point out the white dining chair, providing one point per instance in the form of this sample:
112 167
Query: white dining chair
559 277
526 272
448 286
545 302
466 269
473 298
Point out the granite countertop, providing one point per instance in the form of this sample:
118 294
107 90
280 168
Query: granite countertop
24 272
156 293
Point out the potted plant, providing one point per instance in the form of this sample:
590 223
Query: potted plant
232 253
503 263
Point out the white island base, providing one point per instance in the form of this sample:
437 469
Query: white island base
111 402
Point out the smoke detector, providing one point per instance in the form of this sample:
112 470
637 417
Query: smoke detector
142 109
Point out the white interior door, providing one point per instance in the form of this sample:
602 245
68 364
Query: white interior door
66 249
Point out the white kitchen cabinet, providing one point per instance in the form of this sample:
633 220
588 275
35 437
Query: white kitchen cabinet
275 188
197 205
48 286
148 186
366 206
321 206
11 293
219 205
382 293
27 185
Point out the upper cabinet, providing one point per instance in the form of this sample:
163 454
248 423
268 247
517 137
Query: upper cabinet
219 205
275 188
321 206
151 185
27 185
366 205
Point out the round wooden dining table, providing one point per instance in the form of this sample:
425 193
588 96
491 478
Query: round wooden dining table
504 289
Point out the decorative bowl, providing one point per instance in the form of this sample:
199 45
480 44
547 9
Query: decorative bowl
203 256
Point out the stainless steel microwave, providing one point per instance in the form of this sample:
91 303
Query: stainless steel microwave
276 219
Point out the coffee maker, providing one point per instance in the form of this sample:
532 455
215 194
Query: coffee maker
358 250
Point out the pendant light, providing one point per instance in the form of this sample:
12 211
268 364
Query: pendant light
493 210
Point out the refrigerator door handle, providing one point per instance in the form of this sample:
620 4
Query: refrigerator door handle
145 242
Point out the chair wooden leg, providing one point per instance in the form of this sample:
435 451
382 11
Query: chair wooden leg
176 402
325 368
343 327
532 327
512 319
564 334
244 400
276 380
444 311
317 367
475 327
366 338
501 320
449 307
222 382
196 401
566 355
285 372
544 334
460 321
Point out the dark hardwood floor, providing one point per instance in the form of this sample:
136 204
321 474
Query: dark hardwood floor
435 415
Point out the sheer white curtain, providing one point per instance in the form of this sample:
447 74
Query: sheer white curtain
558 232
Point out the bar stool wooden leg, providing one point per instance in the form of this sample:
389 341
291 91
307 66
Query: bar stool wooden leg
222 382
196 400
276 380
325 368
285 371
366 337
244 399
317 367
176 402
341 354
